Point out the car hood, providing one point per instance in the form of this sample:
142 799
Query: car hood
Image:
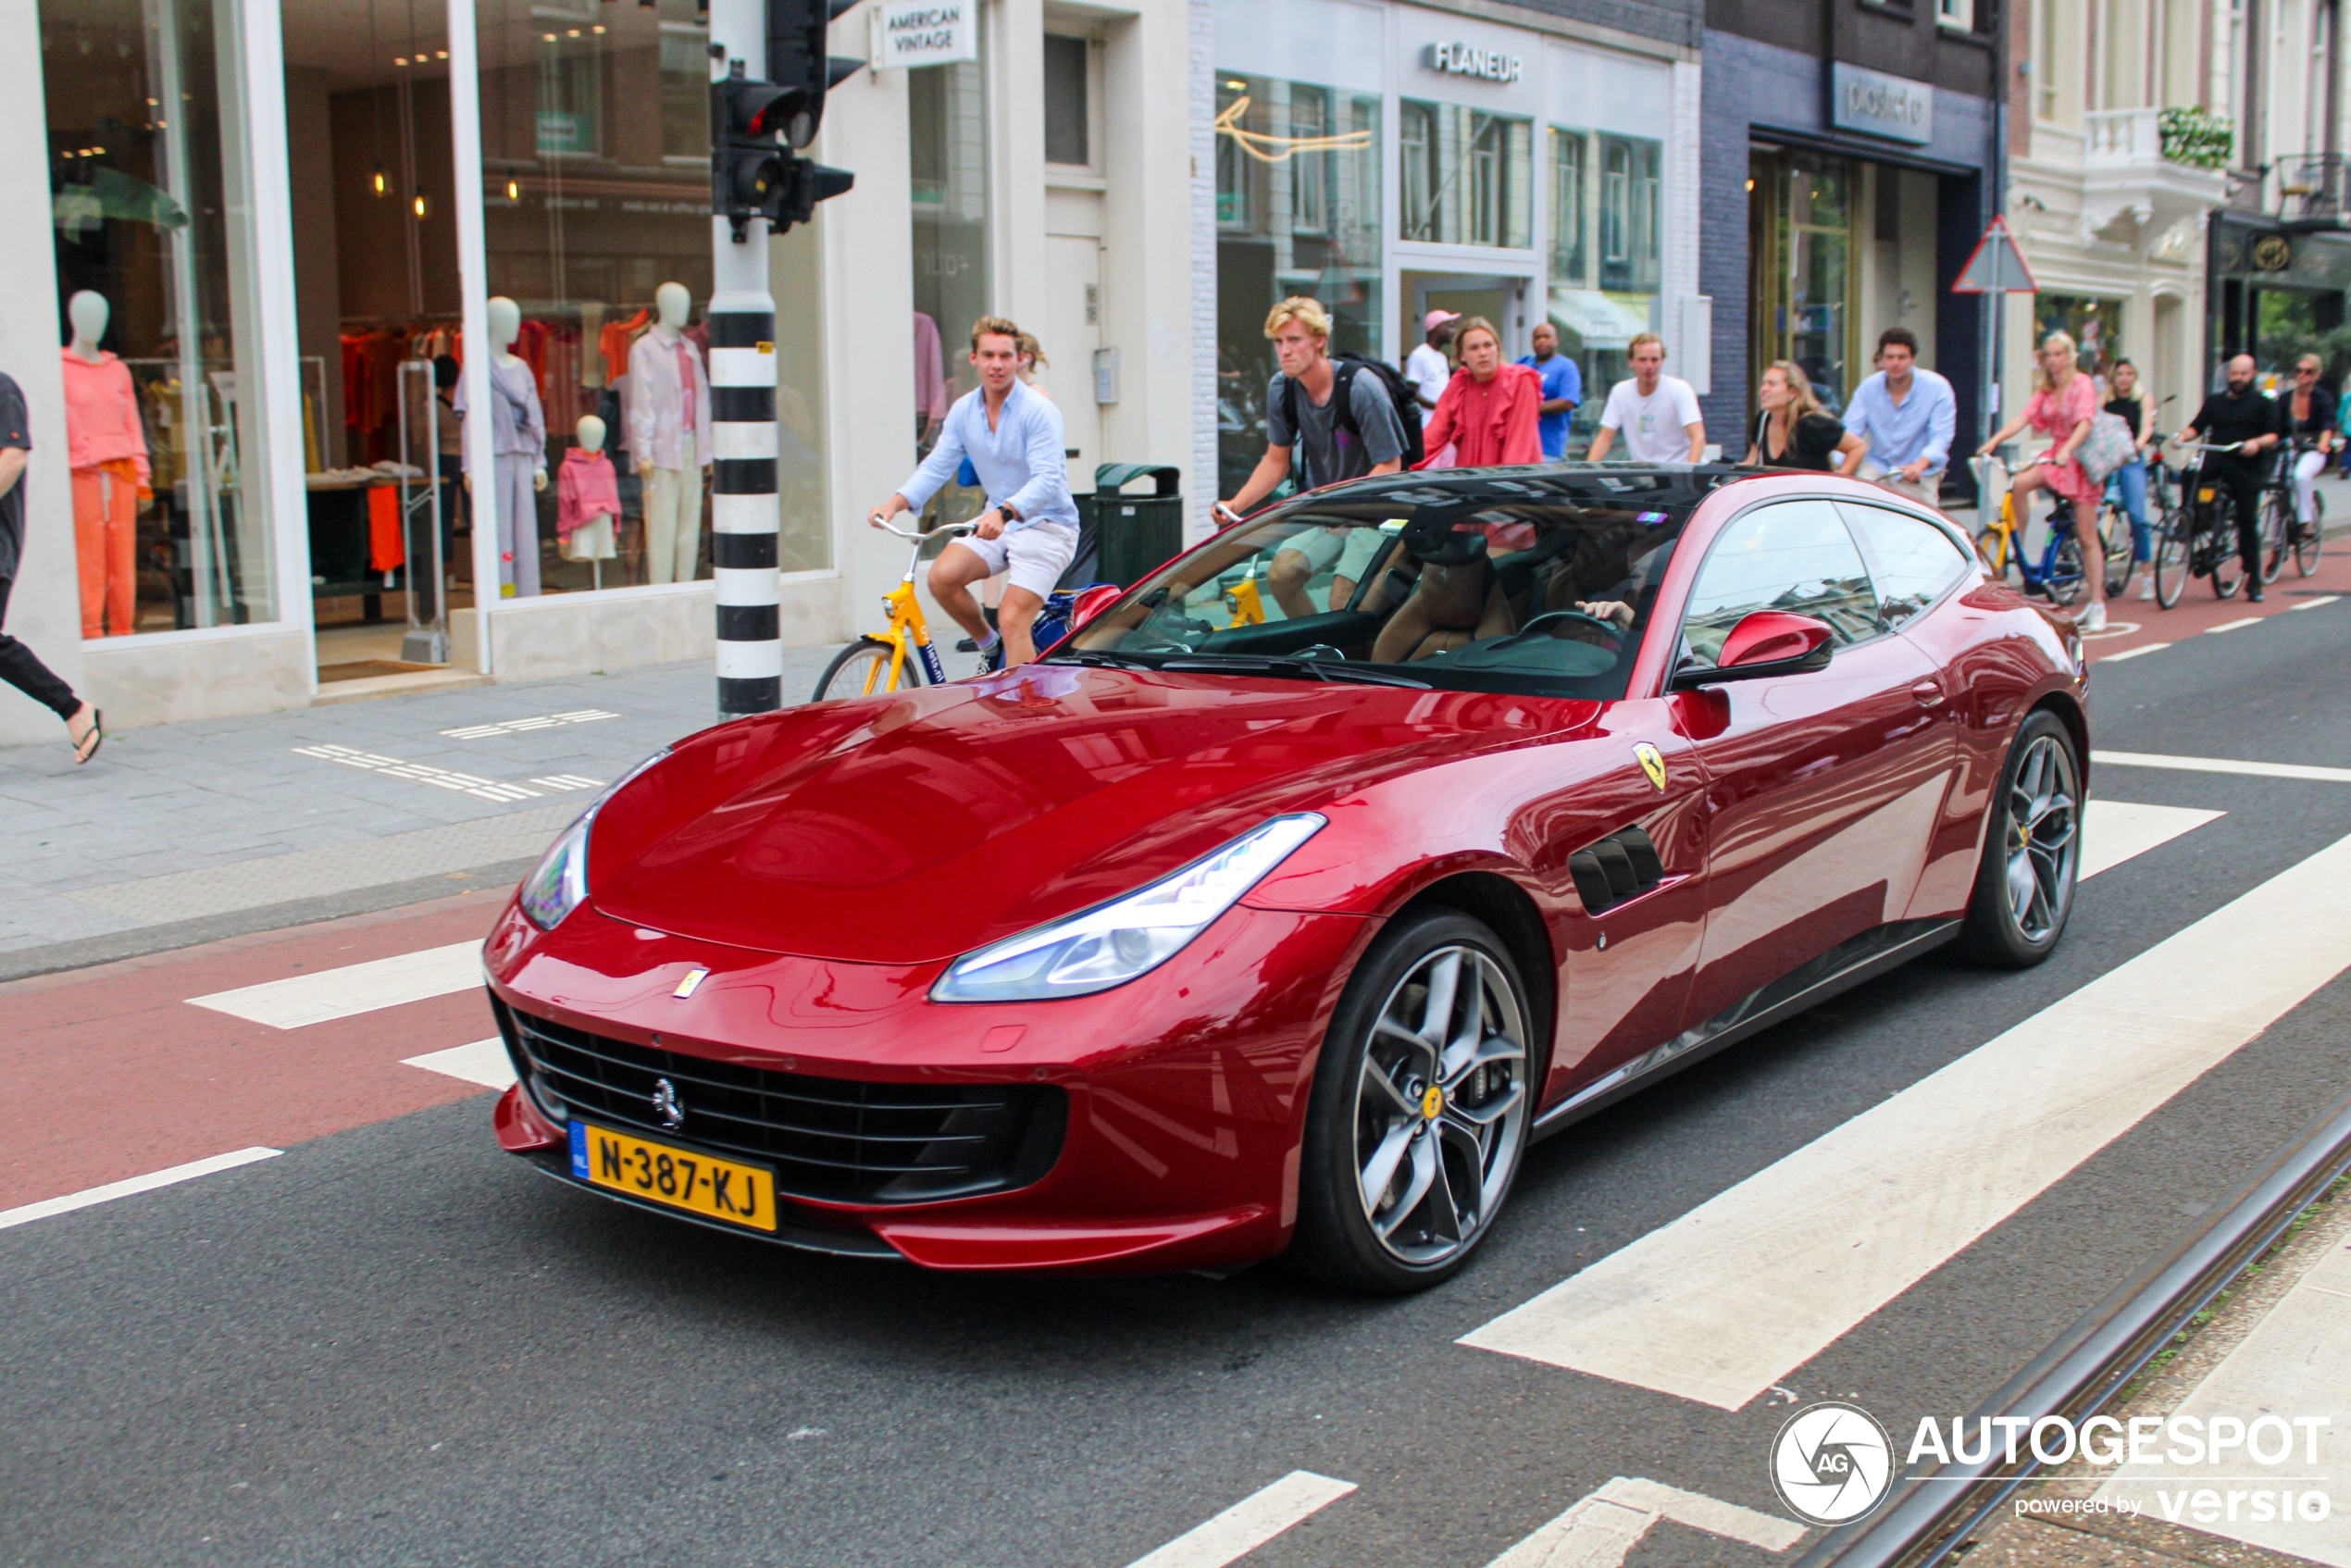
909 828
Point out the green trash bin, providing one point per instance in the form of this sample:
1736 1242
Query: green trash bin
1133 535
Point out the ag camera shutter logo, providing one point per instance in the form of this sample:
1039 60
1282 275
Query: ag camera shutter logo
1832 1463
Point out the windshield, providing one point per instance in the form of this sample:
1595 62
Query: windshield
1533 585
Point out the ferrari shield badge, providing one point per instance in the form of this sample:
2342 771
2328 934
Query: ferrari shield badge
1652 763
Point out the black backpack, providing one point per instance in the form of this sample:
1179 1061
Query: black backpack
1401 395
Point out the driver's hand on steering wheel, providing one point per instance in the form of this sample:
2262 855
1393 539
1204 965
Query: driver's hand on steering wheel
1607 610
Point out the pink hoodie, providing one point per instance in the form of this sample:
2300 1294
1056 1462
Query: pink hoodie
102 415
586 489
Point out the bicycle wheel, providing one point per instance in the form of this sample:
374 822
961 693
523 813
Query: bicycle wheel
2065 580
861 670
2277 513
2307 543
2228 572
2114 532
2171 560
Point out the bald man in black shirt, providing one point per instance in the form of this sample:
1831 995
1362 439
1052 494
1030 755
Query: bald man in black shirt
2243 416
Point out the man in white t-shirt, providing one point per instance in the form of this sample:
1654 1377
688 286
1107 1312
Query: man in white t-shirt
1658 413
1427 366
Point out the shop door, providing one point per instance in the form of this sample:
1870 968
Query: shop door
1800 269
1073 331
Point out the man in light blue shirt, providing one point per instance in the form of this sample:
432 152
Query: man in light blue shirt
1905 417
1562 389
1012 435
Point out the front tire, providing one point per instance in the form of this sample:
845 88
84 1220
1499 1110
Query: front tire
1421 1107
2171 562
861 670
2031 851
2308 541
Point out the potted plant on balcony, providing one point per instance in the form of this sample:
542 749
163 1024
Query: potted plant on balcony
2196 137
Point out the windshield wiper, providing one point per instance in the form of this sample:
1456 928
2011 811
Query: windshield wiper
1276 664
1099 659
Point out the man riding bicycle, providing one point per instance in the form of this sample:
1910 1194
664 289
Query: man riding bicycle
2242 416
1012 435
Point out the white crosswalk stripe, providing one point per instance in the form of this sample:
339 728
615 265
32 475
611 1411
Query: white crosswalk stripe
1603 1528
2222 765
49 1207
1250 1522
2114 831
354 989
1734 1295
484 1062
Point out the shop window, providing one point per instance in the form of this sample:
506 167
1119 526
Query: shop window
1468 176
1605 256
1298 212
947 139
1801 237
596 189
154 274
1066 101
2094 324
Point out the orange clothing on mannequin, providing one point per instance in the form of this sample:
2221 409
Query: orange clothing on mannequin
106 535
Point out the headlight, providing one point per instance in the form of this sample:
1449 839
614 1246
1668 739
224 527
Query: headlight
560 884
1113 944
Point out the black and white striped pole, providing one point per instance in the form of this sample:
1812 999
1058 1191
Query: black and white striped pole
744 518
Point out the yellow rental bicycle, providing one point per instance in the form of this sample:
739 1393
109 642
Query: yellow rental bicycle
902 654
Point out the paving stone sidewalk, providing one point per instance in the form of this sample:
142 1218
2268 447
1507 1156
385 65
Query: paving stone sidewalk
205 828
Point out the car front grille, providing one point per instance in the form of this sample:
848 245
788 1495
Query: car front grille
841 1140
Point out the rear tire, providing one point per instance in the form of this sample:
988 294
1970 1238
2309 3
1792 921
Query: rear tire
2067 579
2171 562
2032 859
2228 572
2277 513
1434 1014
862 668
2308 548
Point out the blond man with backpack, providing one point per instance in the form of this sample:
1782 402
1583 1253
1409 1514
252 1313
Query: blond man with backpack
1326 421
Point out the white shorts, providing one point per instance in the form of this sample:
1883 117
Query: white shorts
1347 550
1033 557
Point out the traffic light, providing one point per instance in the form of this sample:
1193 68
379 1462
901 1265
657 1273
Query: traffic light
747 159
796 58
806 182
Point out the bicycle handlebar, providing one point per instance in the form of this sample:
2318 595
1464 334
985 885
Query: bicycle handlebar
919 533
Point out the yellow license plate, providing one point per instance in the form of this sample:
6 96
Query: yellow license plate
677 1179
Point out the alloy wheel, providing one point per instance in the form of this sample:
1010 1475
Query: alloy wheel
1441 1105
2043 838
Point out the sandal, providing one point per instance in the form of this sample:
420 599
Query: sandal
92 739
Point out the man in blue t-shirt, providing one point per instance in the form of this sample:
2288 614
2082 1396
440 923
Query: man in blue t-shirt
1562 389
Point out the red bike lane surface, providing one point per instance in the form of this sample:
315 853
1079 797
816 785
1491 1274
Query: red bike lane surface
2138 624
130 1078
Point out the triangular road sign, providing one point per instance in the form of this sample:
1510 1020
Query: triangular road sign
1996 267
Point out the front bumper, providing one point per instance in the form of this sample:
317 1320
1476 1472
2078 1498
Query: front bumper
1186 1089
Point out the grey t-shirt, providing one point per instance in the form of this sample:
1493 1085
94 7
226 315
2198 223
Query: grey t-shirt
16 432
1322 453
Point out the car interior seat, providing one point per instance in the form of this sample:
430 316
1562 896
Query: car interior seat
1459 598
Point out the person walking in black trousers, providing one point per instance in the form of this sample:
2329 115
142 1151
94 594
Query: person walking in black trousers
19 665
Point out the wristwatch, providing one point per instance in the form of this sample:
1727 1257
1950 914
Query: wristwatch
1009 512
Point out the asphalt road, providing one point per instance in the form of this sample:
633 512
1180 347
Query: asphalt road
395 1345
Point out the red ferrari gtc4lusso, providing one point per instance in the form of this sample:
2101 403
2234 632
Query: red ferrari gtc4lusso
1281 905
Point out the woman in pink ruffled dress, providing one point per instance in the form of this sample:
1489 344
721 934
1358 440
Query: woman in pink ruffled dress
2063 404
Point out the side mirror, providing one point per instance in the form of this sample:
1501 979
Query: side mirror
1765 643
1092 602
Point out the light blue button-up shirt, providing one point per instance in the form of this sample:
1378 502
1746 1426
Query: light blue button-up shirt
1020 461
1921 426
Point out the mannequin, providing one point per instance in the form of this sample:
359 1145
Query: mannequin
106 448
588 499
669 435
518 452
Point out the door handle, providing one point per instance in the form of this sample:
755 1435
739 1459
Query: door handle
1928 692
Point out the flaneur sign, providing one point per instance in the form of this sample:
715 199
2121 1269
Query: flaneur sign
1467 59
1877 105
926 32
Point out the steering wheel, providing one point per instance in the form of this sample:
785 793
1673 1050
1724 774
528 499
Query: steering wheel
1577 626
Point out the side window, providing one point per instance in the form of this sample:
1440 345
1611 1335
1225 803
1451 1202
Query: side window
1793 555
1913 562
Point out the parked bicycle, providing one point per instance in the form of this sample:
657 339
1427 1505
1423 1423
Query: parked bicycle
2198 536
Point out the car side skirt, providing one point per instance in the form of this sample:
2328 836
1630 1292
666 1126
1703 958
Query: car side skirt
1841 968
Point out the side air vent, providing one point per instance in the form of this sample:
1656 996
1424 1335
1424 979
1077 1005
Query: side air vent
1622 865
